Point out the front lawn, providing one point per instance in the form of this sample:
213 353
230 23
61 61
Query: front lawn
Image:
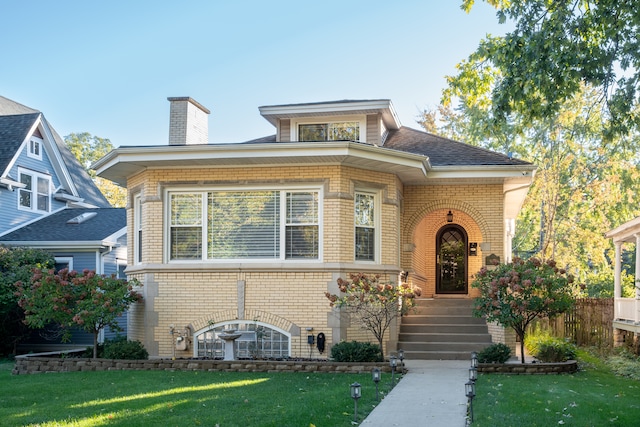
153 398
595 396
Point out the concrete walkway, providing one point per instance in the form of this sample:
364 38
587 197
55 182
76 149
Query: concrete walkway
430 394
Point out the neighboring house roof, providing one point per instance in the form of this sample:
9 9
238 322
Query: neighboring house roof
445 152
16 121
13 131
91 227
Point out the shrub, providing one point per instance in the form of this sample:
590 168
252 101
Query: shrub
549 349
625 363
356 352
121 348
495 353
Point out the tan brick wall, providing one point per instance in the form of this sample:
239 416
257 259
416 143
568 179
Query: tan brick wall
476 208
290 295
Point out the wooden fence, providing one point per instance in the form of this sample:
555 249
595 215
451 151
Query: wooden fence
589 323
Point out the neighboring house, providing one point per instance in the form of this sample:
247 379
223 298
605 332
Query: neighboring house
48 201
250 236
626 311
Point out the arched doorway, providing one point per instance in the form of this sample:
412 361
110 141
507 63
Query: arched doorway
451 260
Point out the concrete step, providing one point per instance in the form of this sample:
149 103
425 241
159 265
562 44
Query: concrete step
438 355
420 328
425 319
442 346
444 337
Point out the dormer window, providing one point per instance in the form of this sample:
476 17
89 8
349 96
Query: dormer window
35 148
36 194
334 131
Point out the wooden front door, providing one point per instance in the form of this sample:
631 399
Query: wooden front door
451 260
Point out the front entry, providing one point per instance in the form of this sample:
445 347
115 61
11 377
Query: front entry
451 260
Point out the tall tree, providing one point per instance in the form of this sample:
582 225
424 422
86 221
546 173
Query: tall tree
87 149
555 48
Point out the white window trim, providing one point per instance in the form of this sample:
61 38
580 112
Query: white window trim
238 322
361 119
64 260
377 223
203 191
30 153
34 190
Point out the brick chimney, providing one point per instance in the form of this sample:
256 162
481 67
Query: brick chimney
188 122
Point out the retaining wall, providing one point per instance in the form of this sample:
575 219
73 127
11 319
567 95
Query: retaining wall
37 365
567 367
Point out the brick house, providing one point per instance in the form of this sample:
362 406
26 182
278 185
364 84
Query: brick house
250 235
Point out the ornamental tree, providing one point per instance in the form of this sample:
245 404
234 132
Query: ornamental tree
372 303
516 293
88 301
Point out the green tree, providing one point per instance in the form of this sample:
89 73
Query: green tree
554 49
16 264
373 304
87 149
88 300
516 293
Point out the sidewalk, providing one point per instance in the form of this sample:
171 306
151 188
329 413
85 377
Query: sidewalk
430 394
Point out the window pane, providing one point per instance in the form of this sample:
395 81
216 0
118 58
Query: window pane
25 198
43 203
244 224
186 209
364 206
26 180
302 208
302 241
365 244
345 131
43 186
312 132
186 243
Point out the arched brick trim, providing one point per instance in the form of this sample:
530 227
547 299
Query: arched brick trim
250 315
458 205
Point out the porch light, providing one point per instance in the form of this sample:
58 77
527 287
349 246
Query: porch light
450 217
375 376
355 395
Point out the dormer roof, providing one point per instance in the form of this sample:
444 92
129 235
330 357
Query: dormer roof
384 107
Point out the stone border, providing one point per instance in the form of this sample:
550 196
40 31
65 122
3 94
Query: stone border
37 365
567 367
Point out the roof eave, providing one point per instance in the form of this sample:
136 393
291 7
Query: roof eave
122 163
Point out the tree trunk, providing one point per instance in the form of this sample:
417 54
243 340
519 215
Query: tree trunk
95 344
522 348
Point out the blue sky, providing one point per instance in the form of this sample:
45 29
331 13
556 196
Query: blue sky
108 67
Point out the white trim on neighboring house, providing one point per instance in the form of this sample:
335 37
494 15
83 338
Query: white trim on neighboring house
64 260
59 165
34 190
35 146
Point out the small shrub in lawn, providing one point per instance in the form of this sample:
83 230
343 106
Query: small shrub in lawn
549 349
625 363
121 348
354 351
495 353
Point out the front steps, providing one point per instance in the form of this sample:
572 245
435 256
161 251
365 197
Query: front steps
442 329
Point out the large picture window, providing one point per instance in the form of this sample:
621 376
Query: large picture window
239 224
365 232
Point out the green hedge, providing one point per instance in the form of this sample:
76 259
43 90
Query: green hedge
356 352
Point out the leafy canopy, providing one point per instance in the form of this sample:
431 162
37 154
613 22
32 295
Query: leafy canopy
516 293
555 47
16 264
89 301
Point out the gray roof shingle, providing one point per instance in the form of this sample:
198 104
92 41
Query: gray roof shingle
445 152
55 228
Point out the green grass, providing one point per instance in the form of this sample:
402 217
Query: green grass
162 398
595 396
